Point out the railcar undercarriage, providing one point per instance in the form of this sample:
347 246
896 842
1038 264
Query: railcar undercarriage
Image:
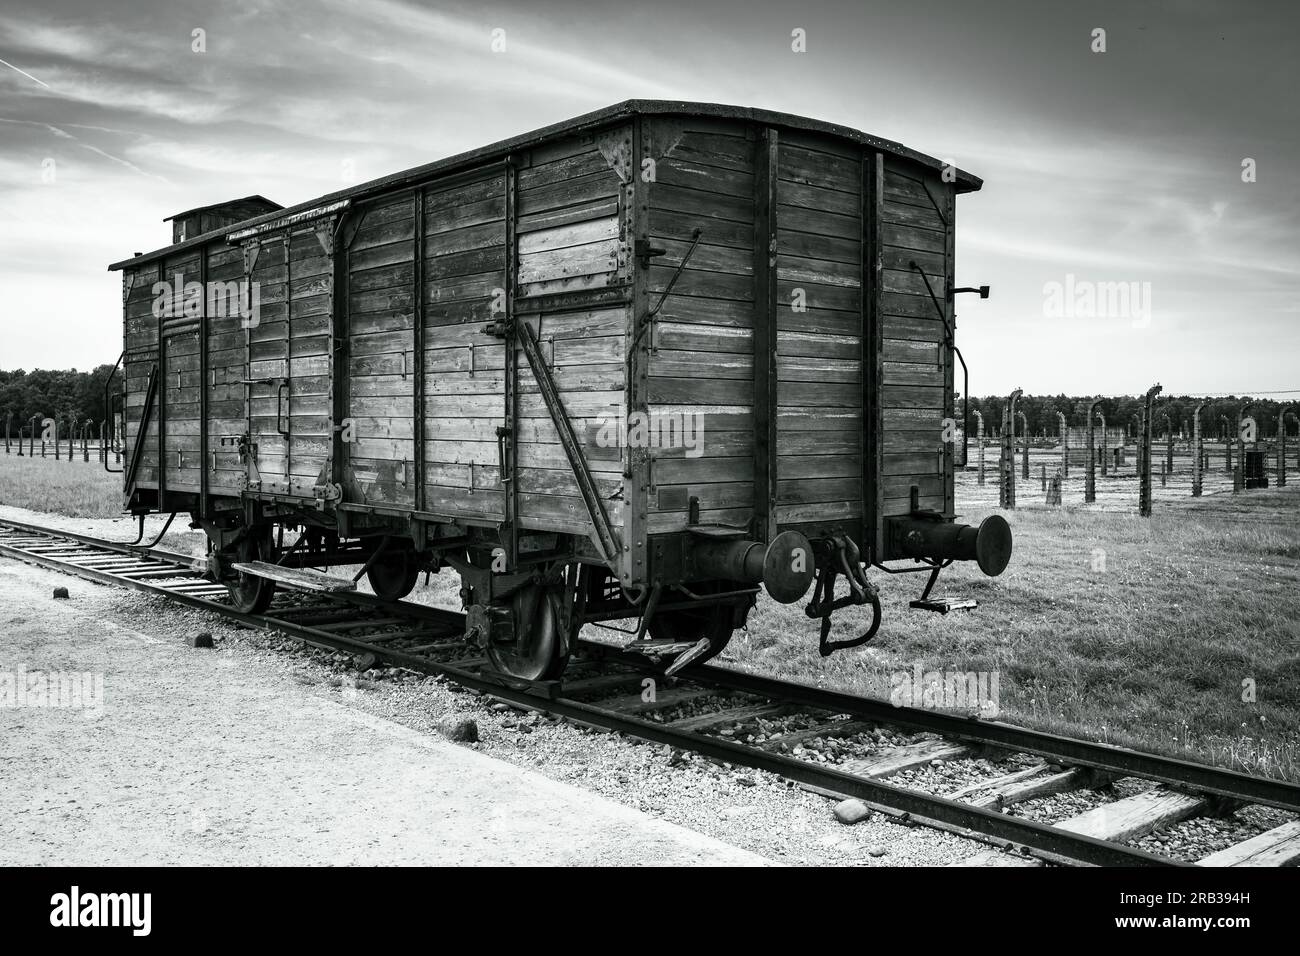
526 619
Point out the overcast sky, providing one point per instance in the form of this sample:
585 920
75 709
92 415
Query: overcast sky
1115 166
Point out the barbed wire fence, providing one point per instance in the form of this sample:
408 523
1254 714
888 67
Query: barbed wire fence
63 439
1156 456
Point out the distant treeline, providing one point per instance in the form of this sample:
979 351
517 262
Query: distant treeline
1040 412
70 395
64 395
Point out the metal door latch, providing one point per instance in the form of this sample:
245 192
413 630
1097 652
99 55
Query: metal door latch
242 443
644 252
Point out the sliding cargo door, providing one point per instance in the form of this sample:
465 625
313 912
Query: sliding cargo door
181 460
182 456
227 410
701 366
267 383
465 386
916 236
140 360
309 305
761 332
821 433
380 377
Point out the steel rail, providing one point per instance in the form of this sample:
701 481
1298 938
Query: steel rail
122 547
974 820
909 805
1072 751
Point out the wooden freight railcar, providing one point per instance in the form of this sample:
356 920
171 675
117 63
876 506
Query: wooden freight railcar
636 364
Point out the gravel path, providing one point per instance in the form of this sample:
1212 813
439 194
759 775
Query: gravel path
193 758
750 810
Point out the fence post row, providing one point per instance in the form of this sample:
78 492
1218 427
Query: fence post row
1006 434
1281 443
1104 441
1024 447
1239 471
1065 445
1090 476
1169 445
1196 451
87 433
1007 461
1144 454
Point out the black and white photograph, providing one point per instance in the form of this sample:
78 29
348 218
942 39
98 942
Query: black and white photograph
725 434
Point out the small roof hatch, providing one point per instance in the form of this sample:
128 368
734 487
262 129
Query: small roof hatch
201 219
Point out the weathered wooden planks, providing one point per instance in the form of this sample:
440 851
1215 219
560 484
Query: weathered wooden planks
733 715
701 363
303 579
997 858
568 239
1019 791
378 444
228 346
570 234
904 757
819 347
179 389
1135 816
1277 847
140 344
310 362
424 388
916 387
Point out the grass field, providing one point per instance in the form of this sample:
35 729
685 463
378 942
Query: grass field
77 488
1130 631
1108 626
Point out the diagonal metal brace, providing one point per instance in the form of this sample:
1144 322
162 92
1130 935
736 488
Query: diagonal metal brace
604 534
146 417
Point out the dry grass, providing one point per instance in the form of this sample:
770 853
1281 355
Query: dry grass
76 488
1150 652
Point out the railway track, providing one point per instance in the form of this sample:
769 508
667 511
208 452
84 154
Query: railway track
753 721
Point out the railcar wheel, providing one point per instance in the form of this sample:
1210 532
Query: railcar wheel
393 576
249 593
541 648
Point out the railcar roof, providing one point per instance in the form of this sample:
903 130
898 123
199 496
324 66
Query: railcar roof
271 206
965 182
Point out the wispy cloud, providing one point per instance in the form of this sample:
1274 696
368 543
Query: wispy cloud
64 134
24 73
1120 167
